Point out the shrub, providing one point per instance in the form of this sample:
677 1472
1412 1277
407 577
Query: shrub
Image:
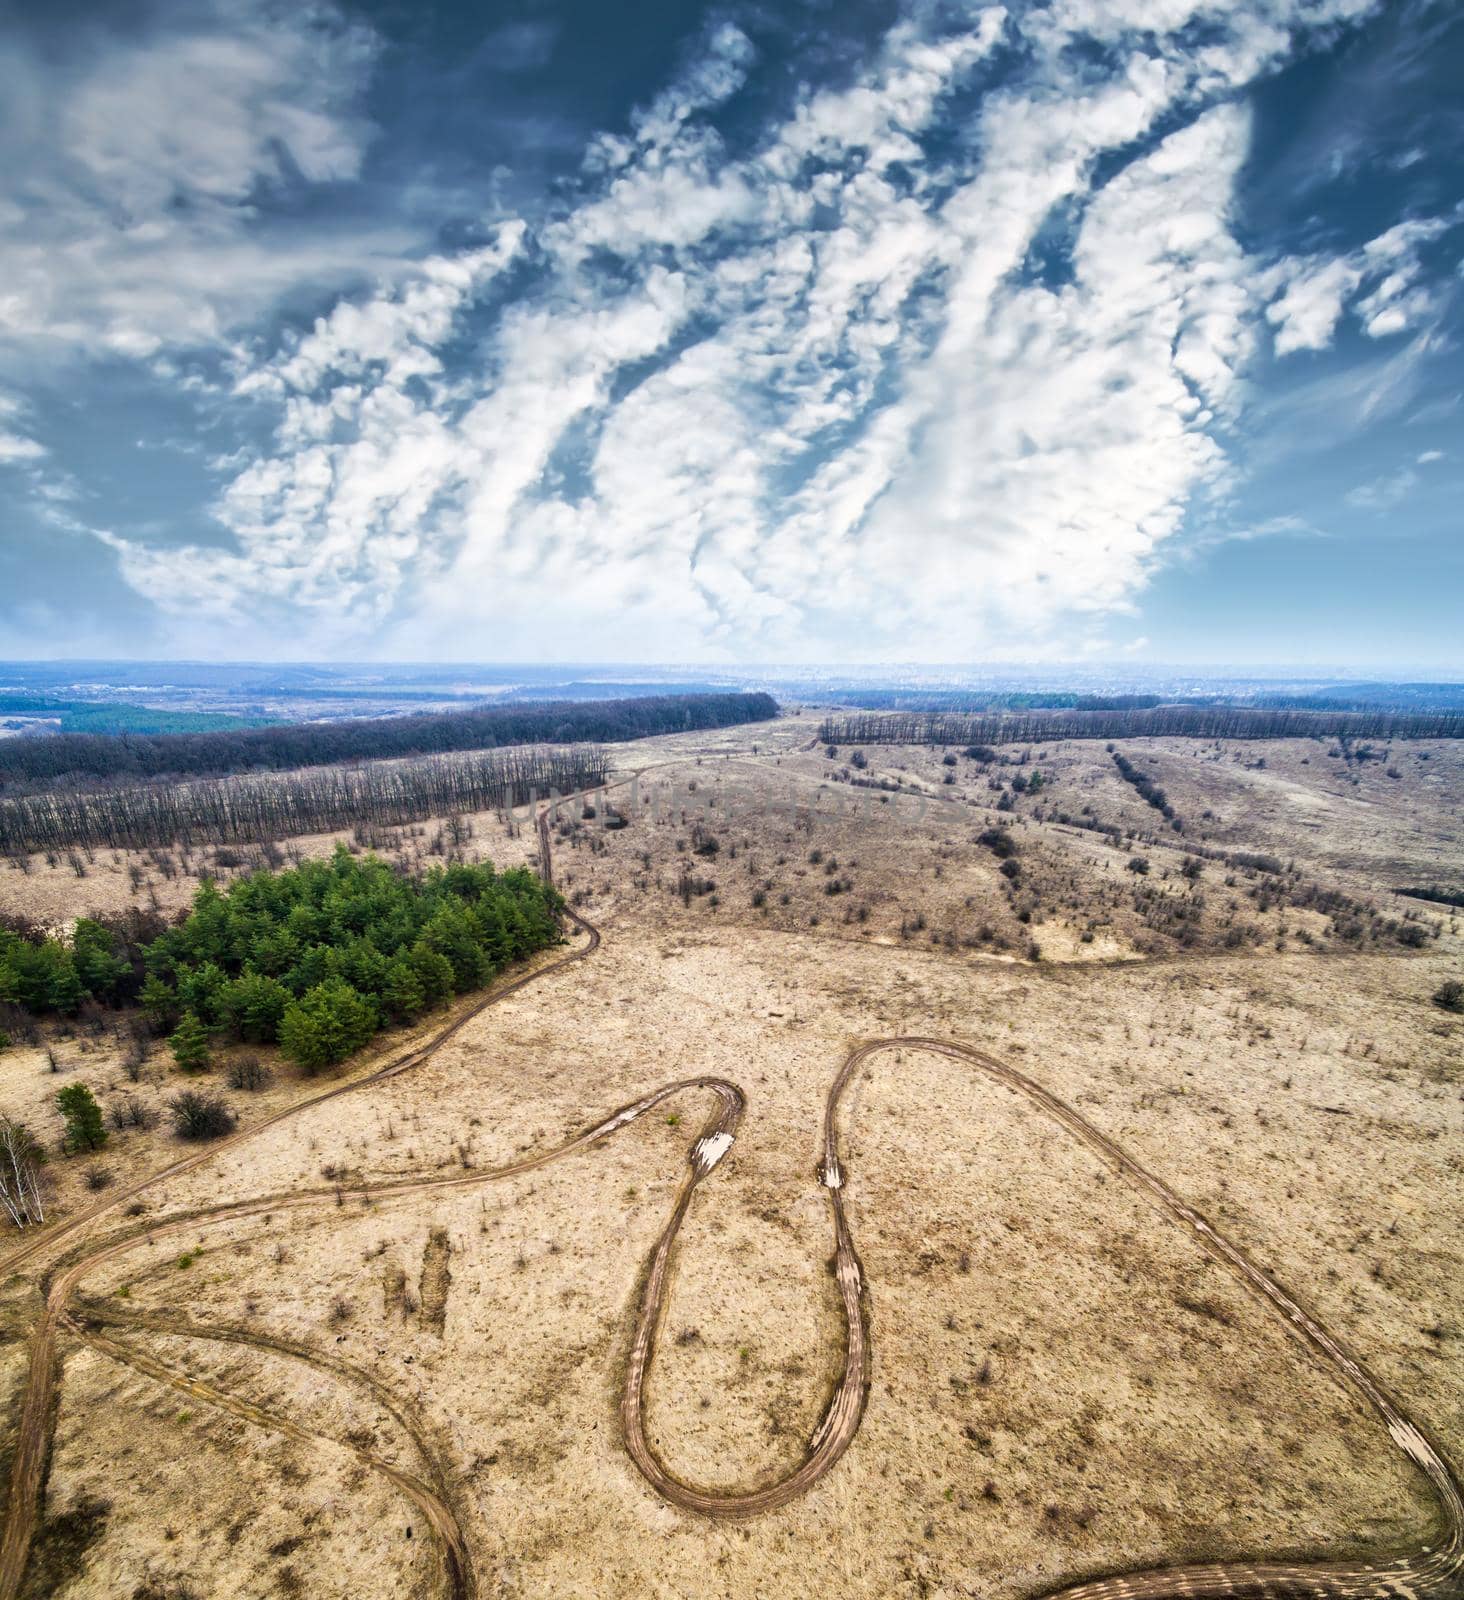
247 1072
1449 995
1138 864
129 1113
200 1115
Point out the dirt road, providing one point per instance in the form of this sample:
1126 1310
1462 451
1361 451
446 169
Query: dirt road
1434 1571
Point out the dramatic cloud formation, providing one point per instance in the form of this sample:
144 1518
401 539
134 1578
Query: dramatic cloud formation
938 357
136 161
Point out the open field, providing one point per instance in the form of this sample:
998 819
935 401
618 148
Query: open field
355 1391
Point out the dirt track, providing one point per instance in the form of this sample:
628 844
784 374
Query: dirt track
1436 1570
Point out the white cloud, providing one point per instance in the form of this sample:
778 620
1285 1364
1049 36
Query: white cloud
1315 291
16 447
129 215
1067 429
823 396
1382 494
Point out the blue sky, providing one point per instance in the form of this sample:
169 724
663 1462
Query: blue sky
1086 330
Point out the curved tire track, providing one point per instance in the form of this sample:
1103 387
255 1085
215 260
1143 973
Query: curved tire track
427 1498
1433 1572
33 1432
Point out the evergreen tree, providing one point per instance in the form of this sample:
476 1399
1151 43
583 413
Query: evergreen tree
41 977
252 1005
433 972
159 1002
190 1044
100 965
83 1117
201 990
337 948
403 991
325 1025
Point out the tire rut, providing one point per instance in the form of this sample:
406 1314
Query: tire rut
1434 1571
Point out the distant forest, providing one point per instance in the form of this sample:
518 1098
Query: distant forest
1402 697
970 701
271 806
1201 722
116 716
36 763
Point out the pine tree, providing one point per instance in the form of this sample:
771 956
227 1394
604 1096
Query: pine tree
159 1002
403 993
190 1044
325 1025
252 1006
83 1117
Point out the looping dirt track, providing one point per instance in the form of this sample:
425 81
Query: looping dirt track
1435 1571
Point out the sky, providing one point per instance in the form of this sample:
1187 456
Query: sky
1088 330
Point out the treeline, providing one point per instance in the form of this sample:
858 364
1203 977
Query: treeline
1200 722
255 810
125 757
316 959
970 700
1370 697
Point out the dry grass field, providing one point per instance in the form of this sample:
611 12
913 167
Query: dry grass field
1062 1384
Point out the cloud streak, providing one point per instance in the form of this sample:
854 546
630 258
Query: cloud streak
939 360
138 165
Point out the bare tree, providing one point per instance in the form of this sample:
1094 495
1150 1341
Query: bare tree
20 1180
1197 721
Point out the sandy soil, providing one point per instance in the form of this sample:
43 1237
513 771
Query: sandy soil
1062 1384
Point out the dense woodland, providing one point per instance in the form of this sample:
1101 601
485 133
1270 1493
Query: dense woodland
1200 722
317 959
32 763
255 810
